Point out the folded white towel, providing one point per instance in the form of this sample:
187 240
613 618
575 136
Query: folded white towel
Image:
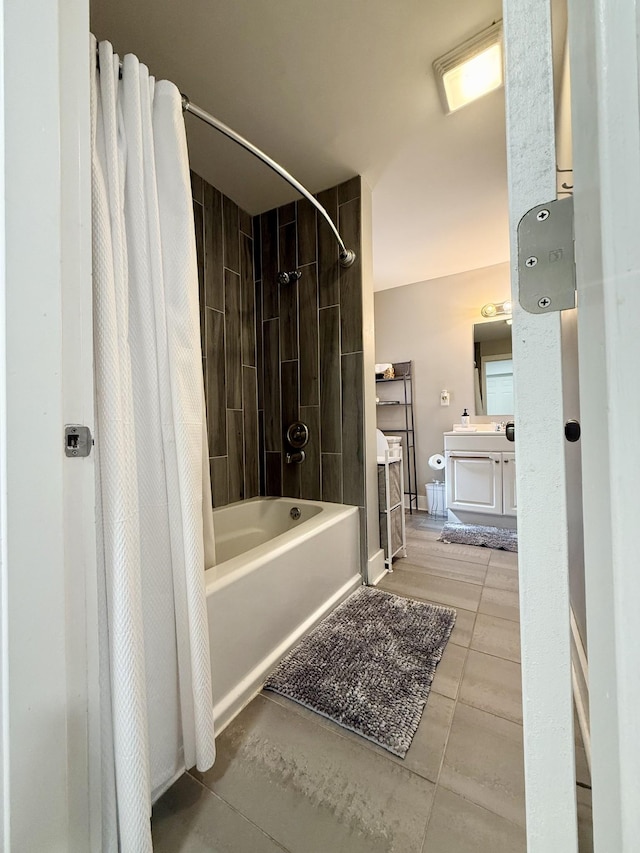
380 368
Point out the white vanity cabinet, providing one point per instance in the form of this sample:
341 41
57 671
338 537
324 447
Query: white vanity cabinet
474 481
480 478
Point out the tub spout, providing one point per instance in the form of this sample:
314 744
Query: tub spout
299 456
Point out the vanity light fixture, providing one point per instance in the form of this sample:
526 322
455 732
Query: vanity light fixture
494 309
471 70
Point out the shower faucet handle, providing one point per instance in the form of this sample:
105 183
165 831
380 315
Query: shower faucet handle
298 435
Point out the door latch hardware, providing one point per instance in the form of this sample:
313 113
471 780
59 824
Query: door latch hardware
77 440
572 430
546 258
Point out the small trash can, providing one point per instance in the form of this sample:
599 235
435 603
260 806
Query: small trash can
436 498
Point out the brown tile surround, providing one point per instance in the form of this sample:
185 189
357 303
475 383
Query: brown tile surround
312 363
274 354
224 246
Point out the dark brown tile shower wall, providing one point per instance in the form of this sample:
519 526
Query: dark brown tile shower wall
276 354
310 360
224 246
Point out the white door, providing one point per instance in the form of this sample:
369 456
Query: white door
605 117
509 498
605 106
474 482
498 382
544 531
49 799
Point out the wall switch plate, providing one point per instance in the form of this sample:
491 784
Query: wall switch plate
444 398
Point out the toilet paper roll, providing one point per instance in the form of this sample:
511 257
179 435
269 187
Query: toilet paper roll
436 462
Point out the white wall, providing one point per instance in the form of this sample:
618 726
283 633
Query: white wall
431 323
375 556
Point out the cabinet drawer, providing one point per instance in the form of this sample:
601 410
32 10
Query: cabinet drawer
395 491
396 530
489 442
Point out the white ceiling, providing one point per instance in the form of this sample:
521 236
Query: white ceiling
330 89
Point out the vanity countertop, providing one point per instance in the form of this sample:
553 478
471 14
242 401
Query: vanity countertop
481 441
480 430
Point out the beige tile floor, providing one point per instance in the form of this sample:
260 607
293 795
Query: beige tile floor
287 779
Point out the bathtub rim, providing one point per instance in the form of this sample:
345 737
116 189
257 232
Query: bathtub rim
248 561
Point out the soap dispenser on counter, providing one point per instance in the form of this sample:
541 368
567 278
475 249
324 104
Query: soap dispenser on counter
465 419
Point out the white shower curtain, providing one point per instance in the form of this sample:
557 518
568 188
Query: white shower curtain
154 499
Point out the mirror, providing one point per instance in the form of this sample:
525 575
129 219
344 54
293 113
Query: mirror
493 368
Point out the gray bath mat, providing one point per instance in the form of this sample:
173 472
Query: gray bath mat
369 665
479 534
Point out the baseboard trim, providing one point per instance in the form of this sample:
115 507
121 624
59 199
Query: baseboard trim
580 681
376 568
422 505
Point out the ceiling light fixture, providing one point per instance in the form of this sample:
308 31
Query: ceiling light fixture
471 70
494 309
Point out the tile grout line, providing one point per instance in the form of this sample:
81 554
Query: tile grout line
492 713
458 700
427 545
430 815
446 743
489 655
434 574
362 742
436 557
480 806
237 811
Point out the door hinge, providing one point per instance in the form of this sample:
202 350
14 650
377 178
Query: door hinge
546 258
77 440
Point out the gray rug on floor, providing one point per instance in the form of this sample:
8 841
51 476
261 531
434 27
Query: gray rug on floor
369 665
479 534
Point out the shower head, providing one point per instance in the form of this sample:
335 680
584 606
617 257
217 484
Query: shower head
289 277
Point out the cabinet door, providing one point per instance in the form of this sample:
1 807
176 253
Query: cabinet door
509 499
474 482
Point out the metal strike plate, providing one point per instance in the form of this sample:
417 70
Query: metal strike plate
77 440
546 260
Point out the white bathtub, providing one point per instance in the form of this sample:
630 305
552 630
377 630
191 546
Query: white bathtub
275 578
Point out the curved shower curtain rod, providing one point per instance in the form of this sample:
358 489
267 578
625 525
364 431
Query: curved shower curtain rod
347 256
